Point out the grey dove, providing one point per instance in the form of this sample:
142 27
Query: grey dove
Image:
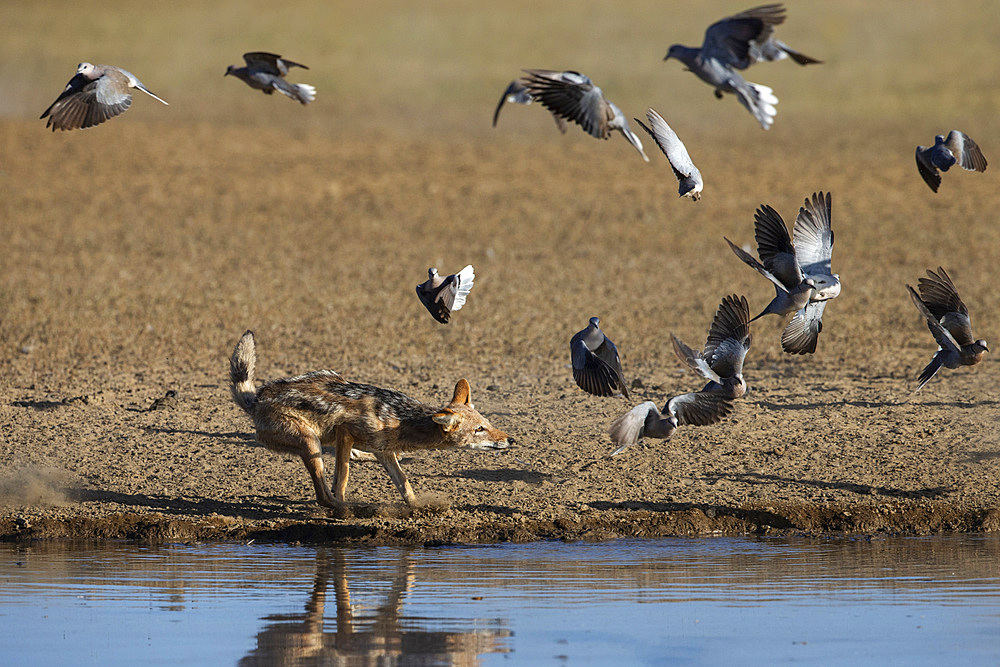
95 94
721 361
443 295
793 288
948 320
957 148
813 242
267 71
597 367
646 421
736 43
689 179
573 96
517 93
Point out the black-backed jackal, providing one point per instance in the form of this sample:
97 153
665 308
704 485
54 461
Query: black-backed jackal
299 415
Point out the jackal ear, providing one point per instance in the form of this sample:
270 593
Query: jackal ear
447 419
462 392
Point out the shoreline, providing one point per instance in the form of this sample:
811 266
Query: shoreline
435 527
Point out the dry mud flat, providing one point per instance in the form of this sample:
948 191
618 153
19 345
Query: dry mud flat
111 302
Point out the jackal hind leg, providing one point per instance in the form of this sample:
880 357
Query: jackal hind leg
391 465
341 471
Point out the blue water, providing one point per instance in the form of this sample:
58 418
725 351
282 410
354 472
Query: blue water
909 601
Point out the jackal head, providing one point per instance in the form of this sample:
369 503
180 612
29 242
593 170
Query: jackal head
462 426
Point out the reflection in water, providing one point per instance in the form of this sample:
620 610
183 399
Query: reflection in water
382 636
904 600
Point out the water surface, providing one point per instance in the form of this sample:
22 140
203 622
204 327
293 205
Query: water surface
674 601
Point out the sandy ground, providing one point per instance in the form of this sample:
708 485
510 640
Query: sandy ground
135 254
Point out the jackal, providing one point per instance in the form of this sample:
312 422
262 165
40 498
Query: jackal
299 415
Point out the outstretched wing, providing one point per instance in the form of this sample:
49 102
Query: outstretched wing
813 237
516 93
458 287
593 374
572 96
729 40
966 151
626 430
729 337
775 247
85 103
940 295
670 144
802 332
699 408
694 360
928 171
750 261
943 337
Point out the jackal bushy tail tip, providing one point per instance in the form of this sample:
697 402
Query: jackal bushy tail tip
242 366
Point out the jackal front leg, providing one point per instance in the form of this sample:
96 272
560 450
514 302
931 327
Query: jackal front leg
391 465
343 444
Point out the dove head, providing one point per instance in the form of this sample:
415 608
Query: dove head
85 69
981 347
229 70
734 386
595 322
827 287
673 52
432 273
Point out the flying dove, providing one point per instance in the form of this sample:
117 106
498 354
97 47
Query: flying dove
948 319
813 241
958 147
573 96
793 288
441 296
267 71
646 421
95 94
517 93
735 43
688 176
596 366
721 362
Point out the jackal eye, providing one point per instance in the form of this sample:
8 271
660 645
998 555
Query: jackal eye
480 429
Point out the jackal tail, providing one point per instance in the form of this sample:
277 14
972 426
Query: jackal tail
242 366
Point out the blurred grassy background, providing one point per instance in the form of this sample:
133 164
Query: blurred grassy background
153 240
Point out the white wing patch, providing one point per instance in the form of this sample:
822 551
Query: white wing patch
458 292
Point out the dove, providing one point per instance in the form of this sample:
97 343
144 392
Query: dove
267 71
441 296
813 242
573 96
948 319
799 269
688 176
735 43
958 147
596 365
646 421
721 362
95 94
516 93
